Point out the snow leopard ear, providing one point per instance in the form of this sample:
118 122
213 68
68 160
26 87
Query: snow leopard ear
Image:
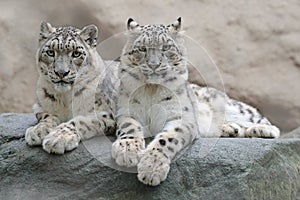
89 34
132 25
45 31
175 26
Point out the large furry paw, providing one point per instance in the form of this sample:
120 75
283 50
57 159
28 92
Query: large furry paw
153 167
62 138
127 150
232 130
263 131
34 135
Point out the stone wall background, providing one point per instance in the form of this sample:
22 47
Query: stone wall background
255 44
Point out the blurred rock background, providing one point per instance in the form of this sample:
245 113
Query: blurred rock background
255 44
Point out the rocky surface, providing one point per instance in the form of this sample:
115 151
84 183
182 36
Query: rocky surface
254 44
293 134
209 169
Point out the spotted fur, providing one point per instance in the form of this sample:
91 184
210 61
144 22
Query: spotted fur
156 99
222 116
72 98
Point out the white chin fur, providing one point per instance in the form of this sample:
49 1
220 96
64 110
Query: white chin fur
62 87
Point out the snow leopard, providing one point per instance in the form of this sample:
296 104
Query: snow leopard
155 99
74 96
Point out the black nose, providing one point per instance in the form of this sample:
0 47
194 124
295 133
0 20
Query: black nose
61 73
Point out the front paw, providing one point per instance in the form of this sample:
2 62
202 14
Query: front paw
61 139
34 135
127 150
263 131
153 167
232 130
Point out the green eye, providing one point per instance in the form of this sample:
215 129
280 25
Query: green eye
50 53
166 47
76 54
142 48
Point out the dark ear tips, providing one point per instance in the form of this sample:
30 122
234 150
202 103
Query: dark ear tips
179 19
131 24
128 23
177 24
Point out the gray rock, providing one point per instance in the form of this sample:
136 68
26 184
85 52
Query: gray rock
208 169
293 134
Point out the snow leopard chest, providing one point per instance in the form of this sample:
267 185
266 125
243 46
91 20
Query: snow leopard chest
154 105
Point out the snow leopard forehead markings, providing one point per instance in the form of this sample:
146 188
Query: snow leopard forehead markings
153 34
65 38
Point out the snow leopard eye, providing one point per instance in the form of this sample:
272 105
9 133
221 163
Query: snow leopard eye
142 48
76 54
166 47
50 53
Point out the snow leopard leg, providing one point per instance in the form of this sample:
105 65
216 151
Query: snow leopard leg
263 131
245 121
155 163
232 129
66 136
127 149
35 135
255 130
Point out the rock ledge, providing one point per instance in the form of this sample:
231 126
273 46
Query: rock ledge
209 169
